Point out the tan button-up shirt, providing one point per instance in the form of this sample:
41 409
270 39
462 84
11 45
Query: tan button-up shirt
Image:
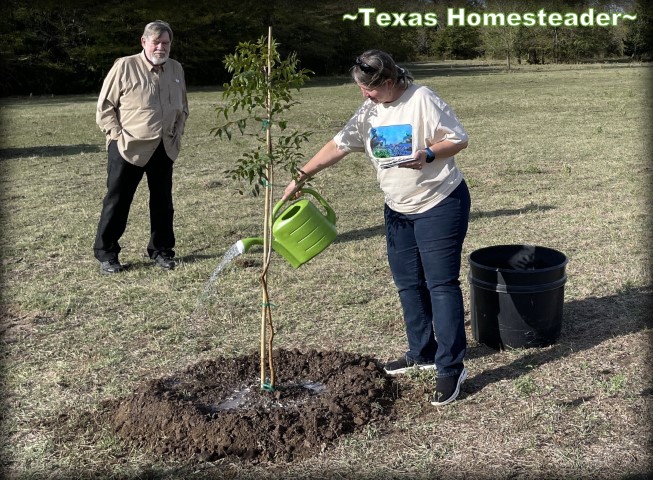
140 105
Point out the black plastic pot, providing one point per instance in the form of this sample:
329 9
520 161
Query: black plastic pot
516 295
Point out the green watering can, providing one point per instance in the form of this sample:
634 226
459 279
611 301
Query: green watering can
300 232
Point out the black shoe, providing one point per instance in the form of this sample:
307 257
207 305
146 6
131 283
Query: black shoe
111 266
164 261
448 388
404 364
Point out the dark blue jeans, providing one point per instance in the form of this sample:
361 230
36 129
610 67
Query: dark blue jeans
424 252
122 180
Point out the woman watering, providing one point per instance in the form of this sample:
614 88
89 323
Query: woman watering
411 136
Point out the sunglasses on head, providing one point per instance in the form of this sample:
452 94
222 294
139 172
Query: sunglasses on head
364 66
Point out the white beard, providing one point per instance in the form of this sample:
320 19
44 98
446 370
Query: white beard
158 60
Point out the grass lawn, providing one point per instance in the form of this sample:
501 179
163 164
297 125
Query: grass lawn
559 156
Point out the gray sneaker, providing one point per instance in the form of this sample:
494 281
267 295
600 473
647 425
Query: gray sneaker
404 364
111 266
164 261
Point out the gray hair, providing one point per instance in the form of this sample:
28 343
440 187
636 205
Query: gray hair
157 28
374 67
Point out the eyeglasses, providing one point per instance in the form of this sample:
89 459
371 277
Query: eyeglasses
364 66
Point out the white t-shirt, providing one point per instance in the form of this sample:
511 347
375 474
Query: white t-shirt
409 190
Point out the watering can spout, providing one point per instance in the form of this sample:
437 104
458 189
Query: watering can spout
246 243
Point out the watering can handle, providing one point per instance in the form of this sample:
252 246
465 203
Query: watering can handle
330 213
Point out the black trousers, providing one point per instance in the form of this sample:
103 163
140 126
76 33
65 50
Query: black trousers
122 180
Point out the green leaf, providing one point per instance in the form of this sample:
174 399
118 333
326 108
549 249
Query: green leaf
250 88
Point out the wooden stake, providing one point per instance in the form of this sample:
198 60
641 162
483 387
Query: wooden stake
266 312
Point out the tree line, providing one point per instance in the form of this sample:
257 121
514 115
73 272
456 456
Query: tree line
63 47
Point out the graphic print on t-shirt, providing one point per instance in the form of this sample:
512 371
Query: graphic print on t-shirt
391 144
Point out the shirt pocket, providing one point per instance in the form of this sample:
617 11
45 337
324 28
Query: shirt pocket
139 94
136 95
175 94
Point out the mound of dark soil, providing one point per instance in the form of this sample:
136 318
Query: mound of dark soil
216 408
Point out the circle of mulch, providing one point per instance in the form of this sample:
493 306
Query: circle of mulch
216 408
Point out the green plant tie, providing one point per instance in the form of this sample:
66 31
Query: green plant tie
266 387
268 304
265 183
265 124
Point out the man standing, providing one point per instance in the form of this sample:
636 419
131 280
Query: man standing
142 109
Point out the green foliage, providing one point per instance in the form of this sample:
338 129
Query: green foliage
526 386
615 384
258 98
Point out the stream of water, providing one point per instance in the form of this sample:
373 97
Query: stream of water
234 251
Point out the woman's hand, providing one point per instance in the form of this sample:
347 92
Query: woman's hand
291 191
328 155
418 161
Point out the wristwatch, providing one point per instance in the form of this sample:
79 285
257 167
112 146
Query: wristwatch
430 156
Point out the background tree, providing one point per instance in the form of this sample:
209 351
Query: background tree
638 39
502 41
